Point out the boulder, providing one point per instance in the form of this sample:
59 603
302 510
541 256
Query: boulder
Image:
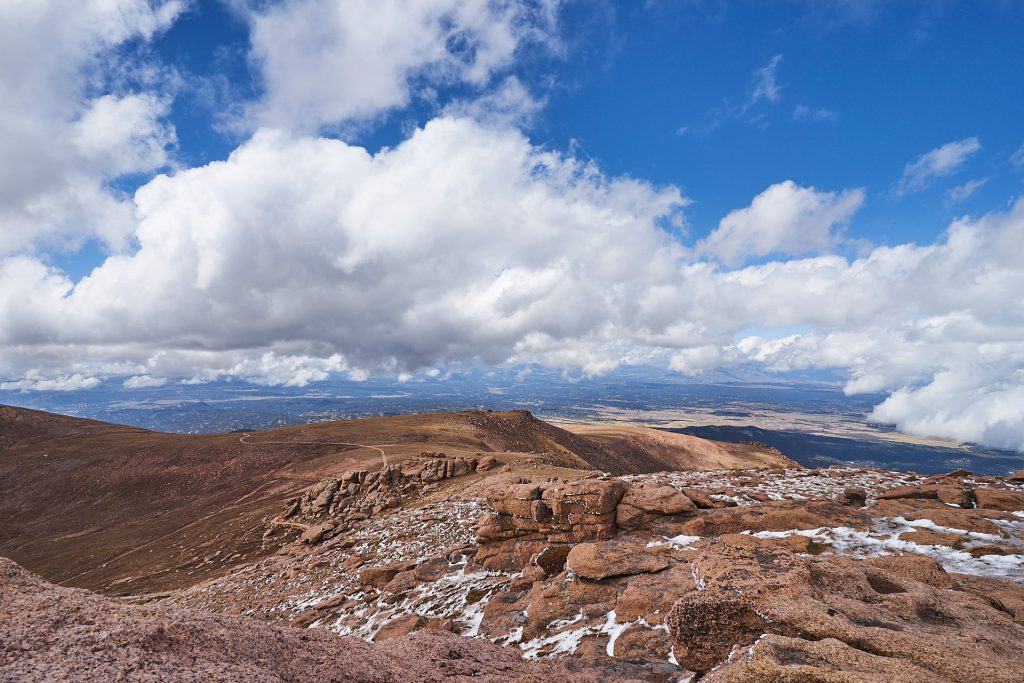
929 537
700 499
999 499
315 533
431 569
777 516
641 505
854 496
399 626
377 577
659 500
642 643
598 561
402 582
531 517
706 625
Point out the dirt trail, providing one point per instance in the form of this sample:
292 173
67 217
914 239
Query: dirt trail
383 455
227 508
234 504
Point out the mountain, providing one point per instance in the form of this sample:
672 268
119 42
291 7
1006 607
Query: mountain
126 510
628 449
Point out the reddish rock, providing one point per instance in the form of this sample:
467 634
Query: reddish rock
431 569
929 537
641 642
795 660
705 626
613 558
916 567
402 582
377 577
794 543
854 496
651 596
777 516
968 520
49 633
315 533
399 626
1000 499
700 499
552 559
660 500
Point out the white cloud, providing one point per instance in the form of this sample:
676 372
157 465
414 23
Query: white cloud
803 112
765 87
938 163
509 104
35 381
784 219
463 243
299 257
1017 158
962 192
121 135
977 404
68 129
325 62
144 382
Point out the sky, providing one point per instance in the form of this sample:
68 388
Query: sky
284 192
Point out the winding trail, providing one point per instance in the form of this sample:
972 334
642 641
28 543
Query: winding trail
234 504
383 455
227 508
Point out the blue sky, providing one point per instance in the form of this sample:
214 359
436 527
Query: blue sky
285 191
654 90
880 88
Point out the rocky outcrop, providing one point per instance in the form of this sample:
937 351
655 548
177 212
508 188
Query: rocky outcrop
329 507
531 518
881 609
642 505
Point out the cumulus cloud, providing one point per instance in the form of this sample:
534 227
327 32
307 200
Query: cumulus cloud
68 130
463 243
784 219
972 403
509 104
36 381
144 382
299 257
324 62
938 163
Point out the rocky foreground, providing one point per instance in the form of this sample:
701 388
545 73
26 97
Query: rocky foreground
758 575
493 546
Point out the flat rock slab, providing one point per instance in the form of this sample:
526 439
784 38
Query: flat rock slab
613 558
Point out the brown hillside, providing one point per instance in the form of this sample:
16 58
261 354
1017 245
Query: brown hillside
125 510
96 504
629 449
